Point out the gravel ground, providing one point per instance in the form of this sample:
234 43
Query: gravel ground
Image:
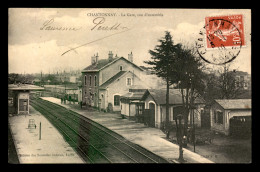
224 149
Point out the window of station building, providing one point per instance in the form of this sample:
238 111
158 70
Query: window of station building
218 117
120 68
128 81
85 79
91 95
10 102
139 109
95 80
116 100
215 116
90 80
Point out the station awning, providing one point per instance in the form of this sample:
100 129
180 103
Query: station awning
24 87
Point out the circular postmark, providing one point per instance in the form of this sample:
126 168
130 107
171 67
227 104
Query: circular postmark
219 41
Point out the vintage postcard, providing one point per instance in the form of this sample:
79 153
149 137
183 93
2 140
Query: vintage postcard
129 85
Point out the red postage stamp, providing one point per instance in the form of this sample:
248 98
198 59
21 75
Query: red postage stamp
225 31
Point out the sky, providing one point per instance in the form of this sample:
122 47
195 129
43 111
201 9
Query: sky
33 47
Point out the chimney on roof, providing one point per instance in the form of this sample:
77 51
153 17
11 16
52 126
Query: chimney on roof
93 60
110 56
97 58
130 57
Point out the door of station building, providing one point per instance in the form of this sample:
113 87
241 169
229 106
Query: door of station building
23 105
205 119
179 110
150 115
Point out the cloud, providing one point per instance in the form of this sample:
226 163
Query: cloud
25 36
187 33
24 26
36 57
31 12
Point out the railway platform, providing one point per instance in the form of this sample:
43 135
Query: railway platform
151 139
32 148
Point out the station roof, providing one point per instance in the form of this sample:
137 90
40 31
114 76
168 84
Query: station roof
133 95
234 103
68 86
103 63
24 87
175 97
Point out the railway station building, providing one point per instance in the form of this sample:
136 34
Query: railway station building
131 106
105 80
149 106
154 104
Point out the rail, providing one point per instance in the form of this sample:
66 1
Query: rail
53 107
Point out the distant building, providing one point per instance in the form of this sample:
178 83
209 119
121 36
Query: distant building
153 81
73 92
147 70
71 76
223 111
243 80
36 81
73 79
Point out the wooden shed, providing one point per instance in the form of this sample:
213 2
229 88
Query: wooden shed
19 98
227 114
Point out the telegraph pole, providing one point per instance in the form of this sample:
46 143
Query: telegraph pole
40 128
194 139
41 78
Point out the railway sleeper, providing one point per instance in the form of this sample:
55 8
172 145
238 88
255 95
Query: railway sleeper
94 155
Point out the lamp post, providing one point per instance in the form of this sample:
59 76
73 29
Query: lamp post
40 132
192 111
193 126
65 94
179 126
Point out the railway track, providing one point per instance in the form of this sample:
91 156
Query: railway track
94 142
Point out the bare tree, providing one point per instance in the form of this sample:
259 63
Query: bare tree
228 86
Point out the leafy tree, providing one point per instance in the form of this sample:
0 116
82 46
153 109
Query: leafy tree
162 57
51 78
12 78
